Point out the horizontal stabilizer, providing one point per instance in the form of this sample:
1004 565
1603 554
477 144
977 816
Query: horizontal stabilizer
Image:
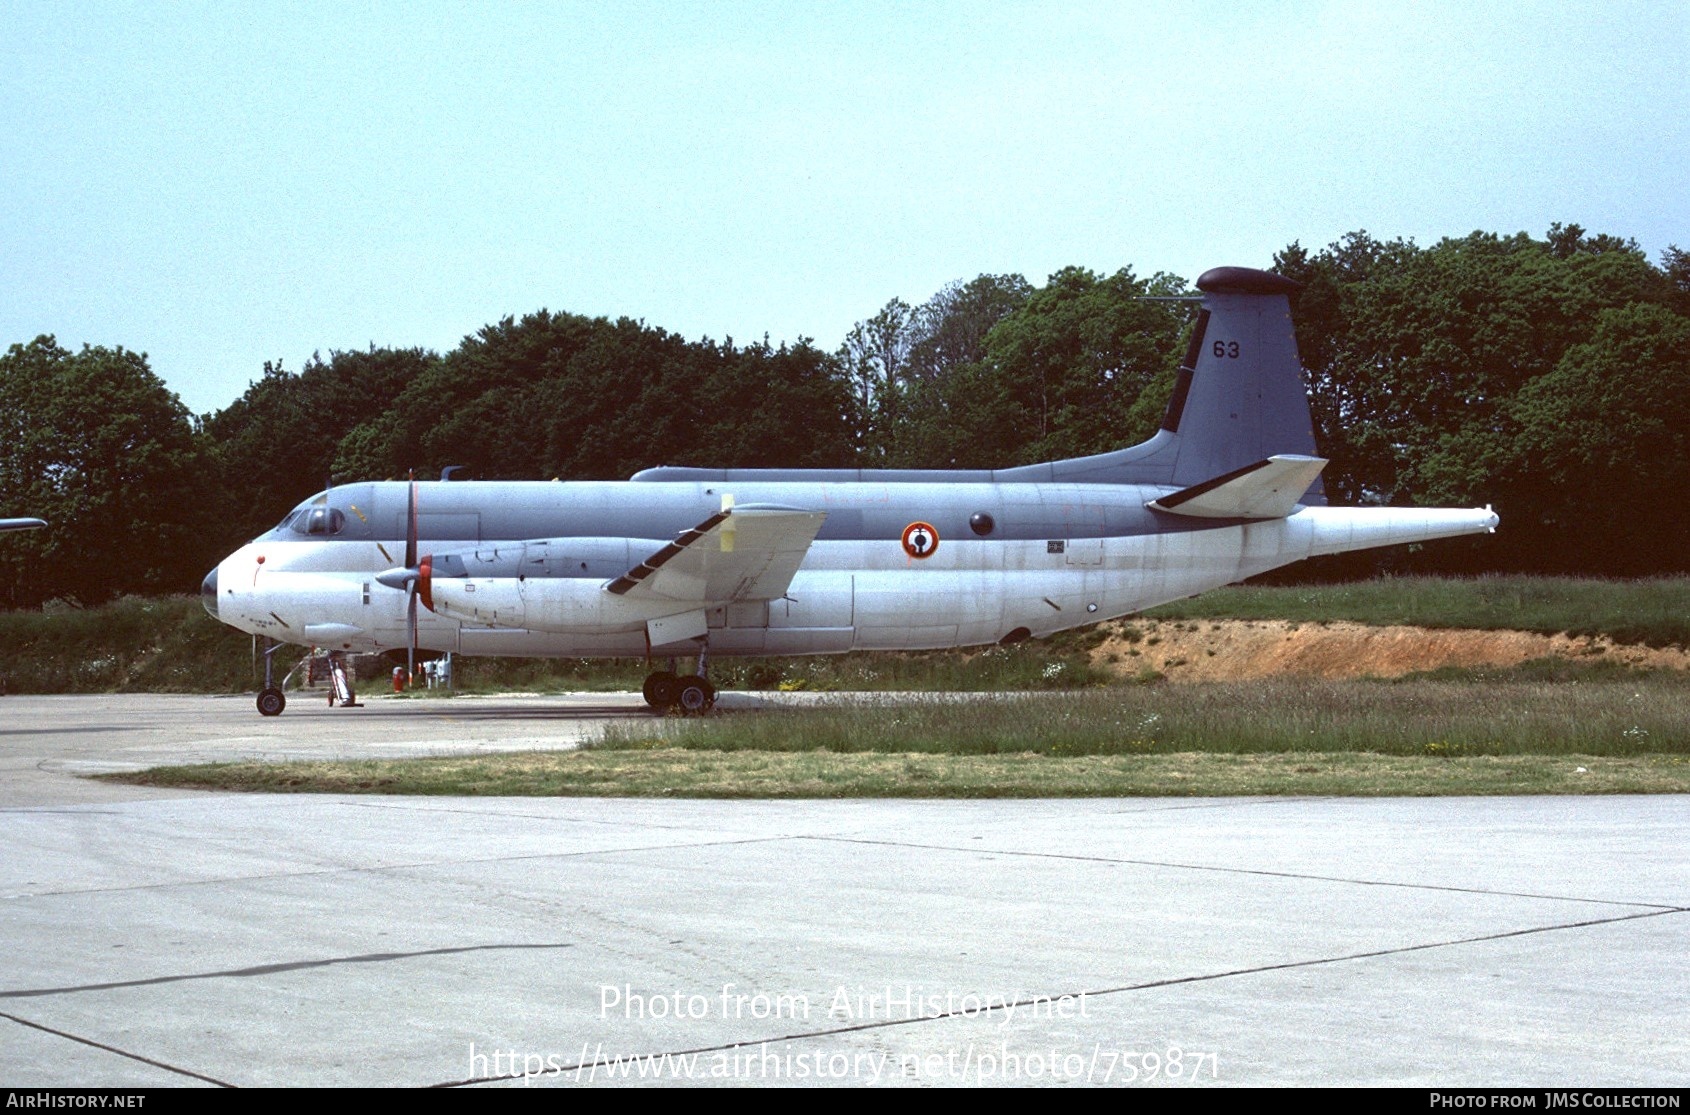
1267 489
741 553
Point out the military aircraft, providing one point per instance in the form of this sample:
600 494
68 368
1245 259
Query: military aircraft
696 561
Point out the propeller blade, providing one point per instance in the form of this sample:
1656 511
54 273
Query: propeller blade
411 638
411 527
413 577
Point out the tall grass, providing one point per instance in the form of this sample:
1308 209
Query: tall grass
137 644
1653 612
1059 663
825 774
169 645
1611 713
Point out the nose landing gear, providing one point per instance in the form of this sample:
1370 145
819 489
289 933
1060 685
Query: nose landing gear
271 700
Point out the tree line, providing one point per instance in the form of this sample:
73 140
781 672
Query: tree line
1548 377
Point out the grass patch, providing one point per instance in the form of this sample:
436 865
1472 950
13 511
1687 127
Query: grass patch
134 645
170 645
1603 731
1056 663
1552 670
1652 612
1624 714
673 772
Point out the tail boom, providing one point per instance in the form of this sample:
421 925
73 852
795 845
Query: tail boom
1338 530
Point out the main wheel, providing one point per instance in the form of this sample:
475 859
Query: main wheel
696 696
661 690
271 702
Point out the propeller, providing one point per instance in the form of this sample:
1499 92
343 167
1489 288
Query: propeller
415 576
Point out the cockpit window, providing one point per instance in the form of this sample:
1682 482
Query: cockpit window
316 521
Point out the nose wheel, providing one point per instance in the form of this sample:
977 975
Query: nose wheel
271 701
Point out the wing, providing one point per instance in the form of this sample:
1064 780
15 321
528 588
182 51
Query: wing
740 553
1267 489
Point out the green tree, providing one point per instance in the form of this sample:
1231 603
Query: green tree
1064 375
283 438
1420 360
1676 264
800 418
942 394
950 329
1407 346
1601 461
560 395
875 359
97 445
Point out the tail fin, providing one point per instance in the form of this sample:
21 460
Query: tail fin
1239 398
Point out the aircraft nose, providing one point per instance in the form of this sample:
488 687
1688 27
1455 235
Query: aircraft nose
208 593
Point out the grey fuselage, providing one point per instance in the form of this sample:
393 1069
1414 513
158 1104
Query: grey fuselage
1013 559
900 560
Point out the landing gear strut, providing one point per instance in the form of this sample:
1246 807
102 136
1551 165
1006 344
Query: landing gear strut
271 700
691 696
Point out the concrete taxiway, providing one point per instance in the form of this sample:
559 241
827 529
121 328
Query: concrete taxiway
165 937
46 738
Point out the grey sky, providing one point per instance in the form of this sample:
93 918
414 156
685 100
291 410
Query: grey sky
222 184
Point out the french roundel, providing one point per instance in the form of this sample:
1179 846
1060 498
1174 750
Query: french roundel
920 540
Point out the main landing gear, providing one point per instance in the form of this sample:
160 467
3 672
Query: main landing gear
693 695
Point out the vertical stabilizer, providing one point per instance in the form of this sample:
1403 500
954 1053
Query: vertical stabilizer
1239 398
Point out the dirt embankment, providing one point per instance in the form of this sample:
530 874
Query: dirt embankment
1236 650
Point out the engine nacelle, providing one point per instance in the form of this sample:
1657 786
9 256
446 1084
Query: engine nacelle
601 558
562 604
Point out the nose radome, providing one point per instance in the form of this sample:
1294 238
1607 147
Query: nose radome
208 593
